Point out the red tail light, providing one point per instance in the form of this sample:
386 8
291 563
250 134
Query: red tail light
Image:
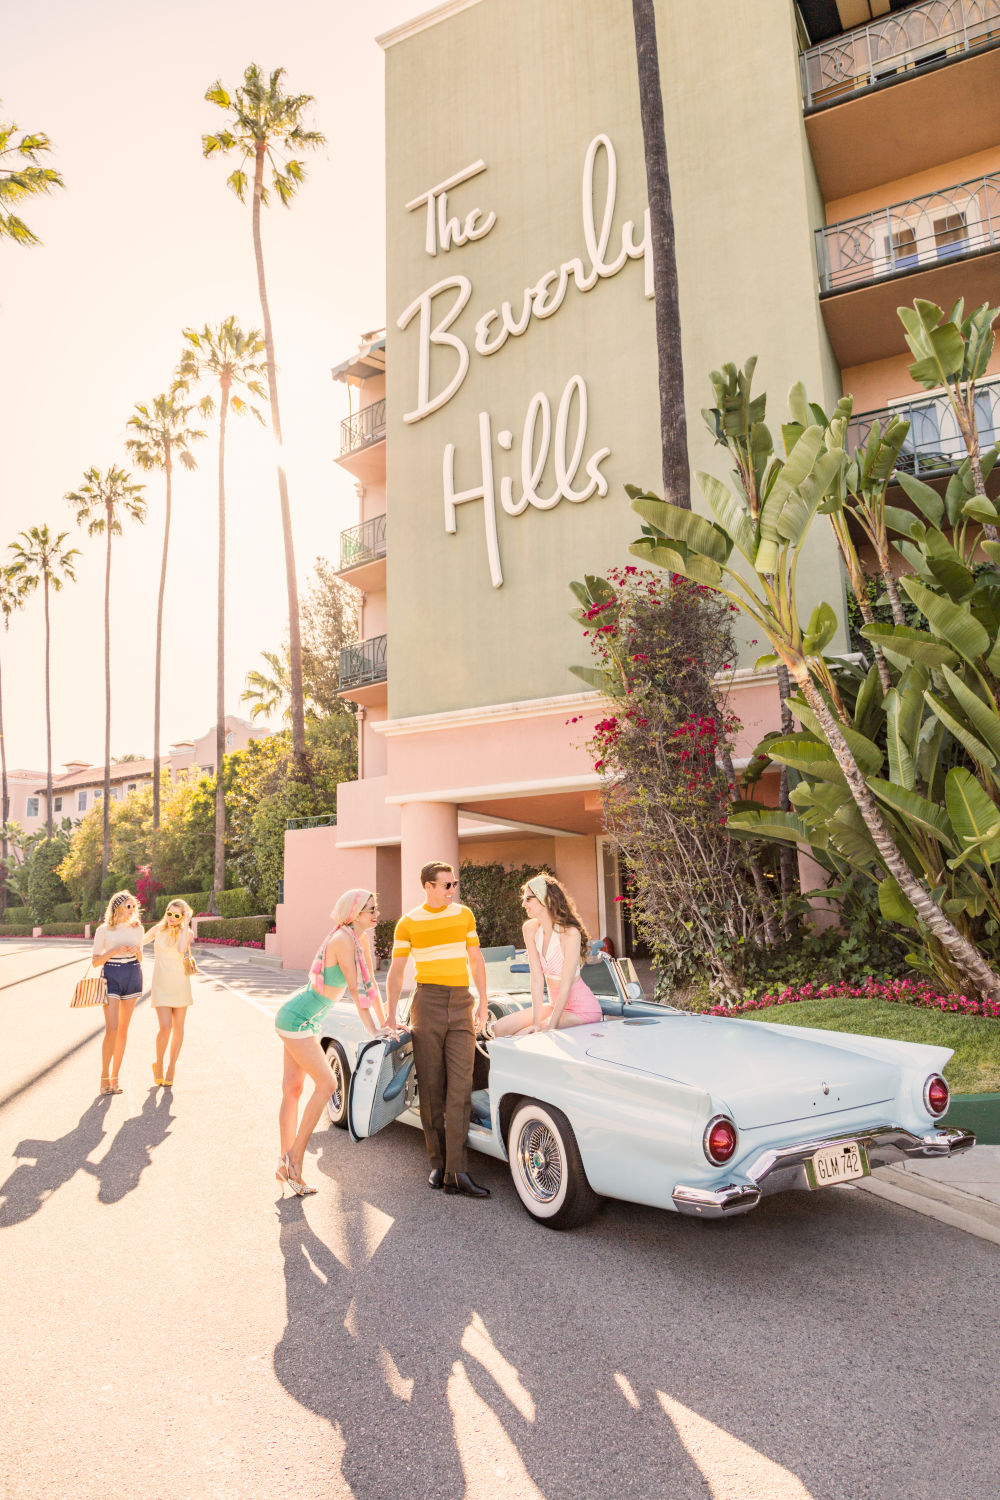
720 1139
936 1095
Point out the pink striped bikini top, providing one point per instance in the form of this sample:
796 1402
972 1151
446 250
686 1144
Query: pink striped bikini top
552 958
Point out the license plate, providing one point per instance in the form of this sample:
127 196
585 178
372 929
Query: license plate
837 1164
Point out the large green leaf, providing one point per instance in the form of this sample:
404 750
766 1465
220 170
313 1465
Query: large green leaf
849 835
869 706
730 512
926 500
982 716
821 629
802 504
786 827
950 622
901 766
972 813
901 645
697 534
947 567
804 753
975 746
929 816
893 904
936 343
595 678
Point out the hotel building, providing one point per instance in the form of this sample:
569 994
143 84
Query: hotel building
829 161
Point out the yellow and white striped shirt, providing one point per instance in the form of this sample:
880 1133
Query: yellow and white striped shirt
439 940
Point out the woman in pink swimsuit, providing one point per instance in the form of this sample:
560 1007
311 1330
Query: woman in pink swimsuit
554 937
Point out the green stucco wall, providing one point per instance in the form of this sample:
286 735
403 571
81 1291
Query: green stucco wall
526 88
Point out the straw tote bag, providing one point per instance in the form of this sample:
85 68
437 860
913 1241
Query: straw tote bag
90 991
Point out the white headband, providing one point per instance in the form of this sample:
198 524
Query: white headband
539 887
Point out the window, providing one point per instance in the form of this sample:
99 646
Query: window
99 794
951 236
903 248
32 808
230 740
130 788
81 801
116 793
209 770
57 804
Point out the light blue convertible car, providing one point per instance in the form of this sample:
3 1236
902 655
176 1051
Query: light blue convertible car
700 1114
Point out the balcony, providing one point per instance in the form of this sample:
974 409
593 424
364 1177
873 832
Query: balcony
942 246
362 554
322 820
934 445
922 36
365 427
911 91
363 670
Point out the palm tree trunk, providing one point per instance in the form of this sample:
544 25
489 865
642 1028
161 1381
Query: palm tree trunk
788 863
970 436
48 714
291 583
106 845
159 643
967 958
6 807
219 865
670 369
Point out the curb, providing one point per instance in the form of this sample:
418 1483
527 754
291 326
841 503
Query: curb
949 1205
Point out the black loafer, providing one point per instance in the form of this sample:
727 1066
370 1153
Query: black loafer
461 1182
436 1178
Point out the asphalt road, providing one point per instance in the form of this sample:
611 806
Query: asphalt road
172 1329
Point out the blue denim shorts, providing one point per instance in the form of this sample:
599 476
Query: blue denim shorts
124 979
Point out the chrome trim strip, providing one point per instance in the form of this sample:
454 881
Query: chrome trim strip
785 1167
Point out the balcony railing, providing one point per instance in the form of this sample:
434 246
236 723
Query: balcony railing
367 426
934 444
948 225
364 543
364 663
322 820
896 46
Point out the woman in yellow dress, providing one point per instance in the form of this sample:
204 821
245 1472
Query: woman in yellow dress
171 991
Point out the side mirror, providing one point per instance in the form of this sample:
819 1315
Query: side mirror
634 990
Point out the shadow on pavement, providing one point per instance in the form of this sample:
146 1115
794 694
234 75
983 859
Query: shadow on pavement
459 1349
53 1163
131 1151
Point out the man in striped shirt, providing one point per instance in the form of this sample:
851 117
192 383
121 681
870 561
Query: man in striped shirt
441 937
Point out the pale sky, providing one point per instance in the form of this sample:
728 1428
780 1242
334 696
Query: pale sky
145 240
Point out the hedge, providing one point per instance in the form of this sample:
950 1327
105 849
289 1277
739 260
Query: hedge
66 911
62 929
236 929
382 941
237 903
197 900
15 929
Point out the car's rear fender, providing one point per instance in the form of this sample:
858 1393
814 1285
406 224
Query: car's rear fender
637 1134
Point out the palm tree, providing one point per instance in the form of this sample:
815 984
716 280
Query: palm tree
11 599
670 367
160 433
41 558
266 127
21 176
265 693
226 358
101 503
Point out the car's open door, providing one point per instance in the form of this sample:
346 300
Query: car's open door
382 1084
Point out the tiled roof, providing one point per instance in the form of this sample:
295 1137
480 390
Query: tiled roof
129 770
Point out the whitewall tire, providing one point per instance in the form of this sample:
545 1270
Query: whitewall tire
546 1166
337 1104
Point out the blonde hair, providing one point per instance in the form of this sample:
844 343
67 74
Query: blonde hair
347 906
116 904
187 912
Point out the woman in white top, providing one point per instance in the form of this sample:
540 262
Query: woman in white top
118 951
554 937
171 991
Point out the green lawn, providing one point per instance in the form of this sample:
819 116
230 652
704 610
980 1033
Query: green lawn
975 1068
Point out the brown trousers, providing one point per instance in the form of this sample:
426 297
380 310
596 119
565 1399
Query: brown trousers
444 1053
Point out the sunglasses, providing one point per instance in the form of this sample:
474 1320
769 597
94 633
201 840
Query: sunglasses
448 885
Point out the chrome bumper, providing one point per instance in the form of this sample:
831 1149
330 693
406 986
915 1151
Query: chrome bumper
784 1168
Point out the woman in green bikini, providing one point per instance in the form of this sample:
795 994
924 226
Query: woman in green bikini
343 962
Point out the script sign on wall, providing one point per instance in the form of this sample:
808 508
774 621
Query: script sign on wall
551 429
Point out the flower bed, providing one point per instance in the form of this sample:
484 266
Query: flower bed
233 942
893 992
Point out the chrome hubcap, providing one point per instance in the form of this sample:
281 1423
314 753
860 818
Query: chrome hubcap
337 1097
540 1161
